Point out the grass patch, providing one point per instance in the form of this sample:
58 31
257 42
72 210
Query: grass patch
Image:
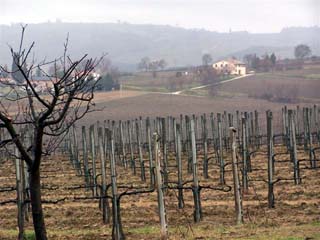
12 233
29 236
313 76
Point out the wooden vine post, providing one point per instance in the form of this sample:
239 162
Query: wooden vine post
85 156
105 207
117 232
195 188
244 153
93 156
159 184
179 162
205 146
292 130
270 160
141 161
220 150
20 199
149 137
236 181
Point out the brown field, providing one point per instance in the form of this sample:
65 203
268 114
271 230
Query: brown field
277 83
114 95
296 215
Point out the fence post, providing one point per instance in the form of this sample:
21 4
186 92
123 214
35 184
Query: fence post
150 152
132 160
75 150
105 208
270 160
85 156
205 146
20 200
117 232
220 150
244 153
236 182
159 183
164 152
309 141
122 145
178 156
139 134
93 156
195 188
292 130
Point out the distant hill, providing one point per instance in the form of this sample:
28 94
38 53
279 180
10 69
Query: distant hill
126 44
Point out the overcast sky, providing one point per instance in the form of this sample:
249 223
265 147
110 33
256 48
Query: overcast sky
216 15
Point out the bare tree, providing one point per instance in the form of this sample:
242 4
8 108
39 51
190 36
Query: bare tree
50 114
209 76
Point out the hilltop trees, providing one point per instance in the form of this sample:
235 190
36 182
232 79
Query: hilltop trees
206 59
47 117
144 64
301 51
264 63
147 65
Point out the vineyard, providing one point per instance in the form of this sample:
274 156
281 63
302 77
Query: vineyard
222 175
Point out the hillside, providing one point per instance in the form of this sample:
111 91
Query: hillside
126 44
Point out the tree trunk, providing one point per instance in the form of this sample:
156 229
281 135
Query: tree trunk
37 213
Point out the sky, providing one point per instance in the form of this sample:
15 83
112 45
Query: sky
254 16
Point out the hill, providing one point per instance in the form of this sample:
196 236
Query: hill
126 43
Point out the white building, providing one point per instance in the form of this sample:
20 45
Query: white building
230 67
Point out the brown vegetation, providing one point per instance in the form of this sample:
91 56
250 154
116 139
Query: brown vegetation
276 87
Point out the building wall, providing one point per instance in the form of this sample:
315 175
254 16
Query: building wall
227 67
240 70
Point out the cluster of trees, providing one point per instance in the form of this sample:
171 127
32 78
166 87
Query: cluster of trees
146 64
302 51
264 63
269 62
109 82
109 76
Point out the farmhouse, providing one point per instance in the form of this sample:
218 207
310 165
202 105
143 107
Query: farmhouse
230 67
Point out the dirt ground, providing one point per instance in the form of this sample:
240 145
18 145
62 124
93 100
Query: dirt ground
155 104
296 214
